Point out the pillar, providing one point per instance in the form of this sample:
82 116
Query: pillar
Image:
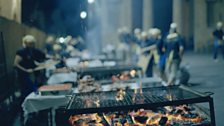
178 14
200 25
147 14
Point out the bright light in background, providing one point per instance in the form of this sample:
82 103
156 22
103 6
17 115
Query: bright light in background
83 14
91 1
61 40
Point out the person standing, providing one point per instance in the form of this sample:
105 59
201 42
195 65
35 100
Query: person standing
48 47
25 62
218 35
161 53
123 47
137 36
174 49
146 60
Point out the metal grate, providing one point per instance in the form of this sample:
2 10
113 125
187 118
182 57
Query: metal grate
148 96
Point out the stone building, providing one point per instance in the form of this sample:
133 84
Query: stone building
11 9
196 19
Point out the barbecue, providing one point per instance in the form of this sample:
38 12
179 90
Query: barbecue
88 84
157 106
115 73
92 79
141 117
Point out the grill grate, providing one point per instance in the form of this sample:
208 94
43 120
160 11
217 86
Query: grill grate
148 96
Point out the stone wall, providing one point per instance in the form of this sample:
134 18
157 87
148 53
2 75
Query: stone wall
203 40
11 9
192 18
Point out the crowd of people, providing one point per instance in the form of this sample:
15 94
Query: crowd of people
145 49
154 51
64 47
29 59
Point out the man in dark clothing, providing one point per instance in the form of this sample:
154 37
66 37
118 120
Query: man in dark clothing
174 44
161 53
26 61
174 51
218 40
174 48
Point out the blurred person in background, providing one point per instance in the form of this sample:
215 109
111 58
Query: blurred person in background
69 46
135 44
160 57
135 52
123 49
59 57
81 48
154 38
75 51
174 49
173 28
137 36
48 48
218 35
26 60
59 53
80 45
146 60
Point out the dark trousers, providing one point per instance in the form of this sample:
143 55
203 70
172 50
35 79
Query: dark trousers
218 48
149 71
162 62
26 85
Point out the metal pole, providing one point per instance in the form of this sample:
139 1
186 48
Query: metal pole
212 112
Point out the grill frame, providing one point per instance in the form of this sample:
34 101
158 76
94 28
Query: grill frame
200 98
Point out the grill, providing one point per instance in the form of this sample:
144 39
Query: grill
100 73
147 98
102 60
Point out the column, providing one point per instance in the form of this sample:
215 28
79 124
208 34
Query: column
147 14
178 14
200 25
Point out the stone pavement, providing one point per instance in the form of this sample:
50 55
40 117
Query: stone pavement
208 75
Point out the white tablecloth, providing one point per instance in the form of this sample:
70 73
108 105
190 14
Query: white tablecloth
58 78
35 103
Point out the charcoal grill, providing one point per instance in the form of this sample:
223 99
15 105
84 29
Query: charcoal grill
106 72
147 98
102 59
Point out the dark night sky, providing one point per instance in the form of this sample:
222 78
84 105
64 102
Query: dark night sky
60 17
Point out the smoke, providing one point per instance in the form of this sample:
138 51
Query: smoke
93 35
105 17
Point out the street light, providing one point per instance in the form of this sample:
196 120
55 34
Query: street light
61 40
91 1
83 14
